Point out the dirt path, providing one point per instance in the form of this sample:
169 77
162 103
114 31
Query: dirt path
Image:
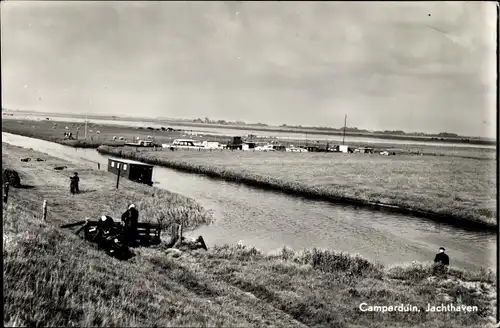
42 182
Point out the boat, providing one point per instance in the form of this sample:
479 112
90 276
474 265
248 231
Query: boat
294 149
184 144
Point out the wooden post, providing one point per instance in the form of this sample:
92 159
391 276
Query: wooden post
118 176
179 236
44 210
98 166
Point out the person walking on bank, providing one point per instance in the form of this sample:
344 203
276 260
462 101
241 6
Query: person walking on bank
130 219
74 188
441 257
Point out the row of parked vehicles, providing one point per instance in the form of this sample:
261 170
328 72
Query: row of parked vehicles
214 145
238 144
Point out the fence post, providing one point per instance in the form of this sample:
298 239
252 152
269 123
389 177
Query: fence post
178 241
44 211
98 166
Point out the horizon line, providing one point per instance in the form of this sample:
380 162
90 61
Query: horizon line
283 125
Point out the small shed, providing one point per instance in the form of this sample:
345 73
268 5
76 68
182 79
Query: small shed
236 143
132 170
343 149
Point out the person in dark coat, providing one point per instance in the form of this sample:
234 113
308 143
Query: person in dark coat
74 188
6 186
130 219
104 228
106 224
441 257
108 236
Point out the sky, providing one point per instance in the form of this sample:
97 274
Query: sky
412 66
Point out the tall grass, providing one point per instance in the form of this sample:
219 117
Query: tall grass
460 192
52 278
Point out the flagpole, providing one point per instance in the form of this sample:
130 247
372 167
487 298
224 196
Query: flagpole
345 122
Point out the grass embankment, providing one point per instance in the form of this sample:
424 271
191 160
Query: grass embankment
53 278
460 192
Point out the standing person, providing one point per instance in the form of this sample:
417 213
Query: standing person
6 191
74 188
441 257
130 219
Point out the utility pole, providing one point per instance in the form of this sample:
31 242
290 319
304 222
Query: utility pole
345 122
86 127
118 176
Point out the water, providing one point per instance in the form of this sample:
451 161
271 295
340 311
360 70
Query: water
269 220
275 134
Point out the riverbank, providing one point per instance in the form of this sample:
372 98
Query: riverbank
421 186
52 278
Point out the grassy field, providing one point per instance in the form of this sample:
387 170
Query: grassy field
46 130
249 128
43 129
461 191
52 278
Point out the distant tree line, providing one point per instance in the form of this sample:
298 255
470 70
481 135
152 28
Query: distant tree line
385 132
206 120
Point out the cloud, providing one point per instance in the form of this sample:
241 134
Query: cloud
260 61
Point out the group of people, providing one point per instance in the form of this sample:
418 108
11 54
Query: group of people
129 220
